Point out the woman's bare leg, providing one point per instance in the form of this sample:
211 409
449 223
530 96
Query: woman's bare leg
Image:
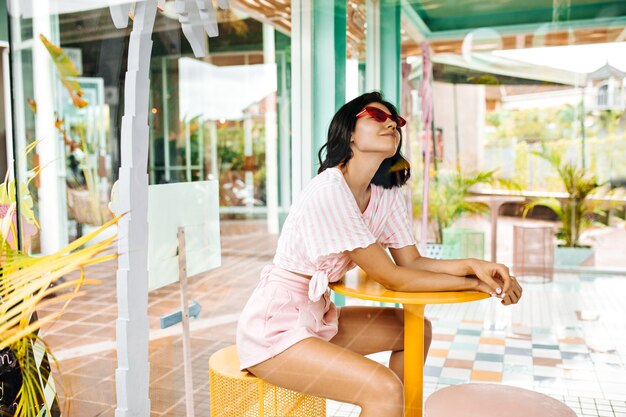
367 330
323 369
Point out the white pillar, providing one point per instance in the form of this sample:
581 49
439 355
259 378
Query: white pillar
132 375
372 63
301 92
52 218
271 136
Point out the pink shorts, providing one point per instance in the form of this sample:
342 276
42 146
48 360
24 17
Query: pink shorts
279 314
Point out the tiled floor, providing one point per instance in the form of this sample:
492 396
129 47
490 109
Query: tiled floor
542 344
566 338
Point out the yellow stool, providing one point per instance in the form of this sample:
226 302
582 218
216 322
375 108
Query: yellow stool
240 394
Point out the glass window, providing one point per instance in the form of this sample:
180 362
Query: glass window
210 118
527 88
224 117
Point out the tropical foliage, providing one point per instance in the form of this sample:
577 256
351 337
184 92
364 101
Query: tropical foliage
577 211
84 188
8 196
447 197
547 124
66 70
28 283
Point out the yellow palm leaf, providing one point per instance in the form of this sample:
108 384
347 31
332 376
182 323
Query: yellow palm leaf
25 285
66 70
26 281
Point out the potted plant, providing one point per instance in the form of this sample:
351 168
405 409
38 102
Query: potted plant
576 212
27 283
447 202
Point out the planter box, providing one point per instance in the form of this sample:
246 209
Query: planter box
573 257
461 243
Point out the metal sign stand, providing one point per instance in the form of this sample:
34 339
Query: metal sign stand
182 273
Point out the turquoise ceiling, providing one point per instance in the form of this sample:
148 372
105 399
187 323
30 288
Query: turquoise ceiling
440 16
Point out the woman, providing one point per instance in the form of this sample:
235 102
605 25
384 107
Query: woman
290 333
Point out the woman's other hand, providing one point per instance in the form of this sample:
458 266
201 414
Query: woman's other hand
495 276
513 294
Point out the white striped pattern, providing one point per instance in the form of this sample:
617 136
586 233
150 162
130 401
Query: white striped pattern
326 221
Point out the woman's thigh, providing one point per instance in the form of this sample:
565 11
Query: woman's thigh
367 330
322 369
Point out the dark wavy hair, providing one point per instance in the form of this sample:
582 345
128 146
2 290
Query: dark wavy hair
393 172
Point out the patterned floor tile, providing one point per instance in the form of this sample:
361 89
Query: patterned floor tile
486 376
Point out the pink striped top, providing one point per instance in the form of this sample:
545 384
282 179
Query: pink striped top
325 222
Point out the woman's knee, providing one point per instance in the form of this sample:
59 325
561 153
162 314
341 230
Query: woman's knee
384 389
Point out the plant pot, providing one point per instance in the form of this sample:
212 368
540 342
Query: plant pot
567 256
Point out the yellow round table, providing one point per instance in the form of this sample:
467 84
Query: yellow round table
357 284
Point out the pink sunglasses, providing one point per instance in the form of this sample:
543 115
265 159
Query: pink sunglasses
380 115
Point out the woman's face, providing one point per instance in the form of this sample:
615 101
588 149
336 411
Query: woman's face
371 136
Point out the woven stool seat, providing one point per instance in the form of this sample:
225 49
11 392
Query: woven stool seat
493 400
240 394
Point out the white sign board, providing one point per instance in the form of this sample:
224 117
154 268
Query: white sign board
195 206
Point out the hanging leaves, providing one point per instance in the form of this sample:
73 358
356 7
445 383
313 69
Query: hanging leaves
66 70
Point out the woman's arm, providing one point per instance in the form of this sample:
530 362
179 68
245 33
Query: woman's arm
409 257
377 264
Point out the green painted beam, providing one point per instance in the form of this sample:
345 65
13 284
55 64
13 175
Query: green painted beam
329 67
411 15
390 65
4 22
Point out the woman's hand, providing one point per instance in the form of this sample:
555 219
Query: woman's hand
513 294
495 276
511 297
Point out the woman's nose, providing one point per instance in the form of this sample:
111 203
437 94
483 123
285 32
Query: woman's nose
390 123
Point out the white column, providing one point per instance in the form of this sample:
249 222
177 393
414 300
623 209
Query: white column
132 376
285 136
302 94
271 136
372 63
52 218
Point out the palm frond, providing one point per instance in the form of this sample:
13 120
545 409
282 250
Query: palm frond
574 212
549 202
447 197
26 281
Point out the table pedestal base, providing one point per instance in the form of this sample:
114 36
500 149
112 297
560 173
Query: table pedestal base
413 359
